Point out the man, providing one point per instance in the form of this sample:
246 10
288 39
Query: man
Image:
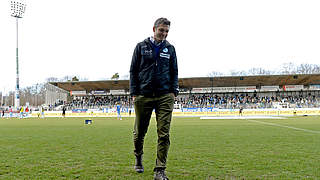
63 111
10 112
240 111
42 112
153 86
27 112
21 112
118 107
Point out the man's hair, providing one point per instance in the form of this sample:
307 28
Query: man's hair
162 20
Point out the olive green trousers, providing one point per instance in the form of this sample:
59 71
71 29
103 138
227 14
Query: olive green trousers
163 106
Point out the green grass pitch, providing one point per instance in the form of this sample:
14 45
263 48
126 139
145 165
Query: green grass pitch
56 148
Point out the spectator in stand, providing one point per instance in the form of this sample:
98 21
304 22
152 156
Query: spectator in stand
226 101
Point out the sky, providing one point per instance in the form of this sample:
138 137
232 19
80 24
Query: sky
95 39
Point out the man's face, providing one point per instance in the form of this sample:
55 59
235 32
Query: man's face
161 32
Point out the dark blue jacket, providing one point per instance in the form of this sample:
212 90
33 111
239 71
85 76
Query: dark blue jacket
153 74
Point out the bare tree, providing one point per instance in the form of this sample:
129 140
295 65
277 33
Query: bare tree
238 73
259 71
66 78
215 74
125 77
83 78
308 69
288 68
26 95
34 95
316 69
52 79
9 99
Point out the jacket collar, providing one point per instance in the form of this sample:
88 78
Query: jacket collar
154 41
148 40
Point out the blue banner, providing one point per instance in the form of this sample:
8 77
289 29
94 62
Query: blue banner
79 110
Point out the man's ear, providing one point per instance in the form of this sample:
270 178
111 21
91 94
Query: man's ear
154 29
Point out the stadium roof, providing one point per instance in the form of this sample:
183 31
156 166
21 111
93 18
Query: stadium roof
198 82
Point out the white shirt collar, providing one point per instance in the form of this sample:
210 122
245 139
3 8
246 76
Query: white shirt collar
154 41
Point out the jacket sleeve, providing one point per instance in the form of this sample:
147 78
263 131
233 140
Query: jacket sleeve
134 72
174 73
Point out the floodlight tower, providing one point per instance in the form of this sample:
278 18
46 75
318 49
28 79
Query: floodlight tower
18 8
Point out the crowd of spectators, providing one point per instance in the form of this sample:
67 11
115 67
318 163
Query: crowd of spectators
99 102
202 101
246 101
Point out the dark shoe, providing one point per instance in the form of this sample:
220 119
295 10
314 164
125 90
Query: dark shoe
160 175
138 167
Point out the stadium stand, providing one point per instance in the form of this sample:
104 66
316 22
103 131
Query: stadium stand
197 82
226 92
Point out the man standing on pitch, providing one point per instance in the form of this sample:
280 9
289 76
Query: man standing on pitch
63 111
153 86
118 107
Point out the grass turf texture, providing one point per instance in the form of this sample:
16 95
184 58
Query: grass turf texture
56 148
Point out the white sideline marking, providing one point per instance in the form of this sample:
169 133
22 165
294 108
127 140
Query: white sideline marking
241 117
289 127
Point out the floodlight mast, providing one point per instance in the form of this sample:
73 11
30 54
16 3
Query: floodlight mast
17 11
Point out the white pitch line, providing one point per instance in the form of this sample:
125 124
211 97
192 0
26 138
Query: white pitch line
241 117
289 127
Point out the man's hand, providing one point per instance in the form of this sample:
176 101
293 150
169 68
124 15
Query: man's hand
133 97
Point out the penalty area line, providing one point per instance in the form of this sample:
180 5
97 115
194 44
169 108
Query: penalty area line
289 127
